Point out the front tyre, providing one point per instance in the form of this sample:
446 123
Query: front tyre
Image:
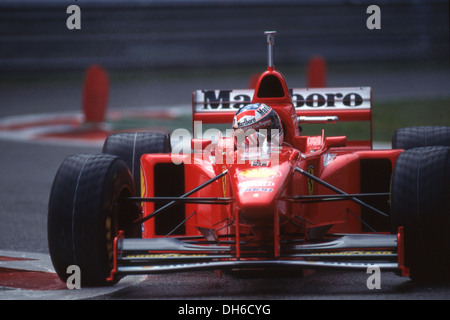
85 215
420 194
426 136
130 146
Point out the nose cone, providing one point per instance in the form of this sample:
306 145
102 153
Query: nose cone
257 190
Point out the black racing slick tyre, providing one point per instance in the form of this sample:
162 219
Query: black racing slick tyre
130 146
415 137
420 193
85 215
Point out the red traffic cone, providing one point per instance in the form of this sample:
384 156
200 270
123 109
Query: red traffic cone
95 94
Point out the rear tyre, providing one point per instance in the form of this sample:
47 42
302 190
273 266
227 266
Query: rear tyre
85 215
130 146
420 190
414 137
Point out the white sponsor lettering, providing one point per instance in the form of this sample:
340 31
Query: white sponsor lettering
302 99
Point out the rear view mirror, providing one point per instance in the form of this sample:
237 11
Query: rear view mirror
332 142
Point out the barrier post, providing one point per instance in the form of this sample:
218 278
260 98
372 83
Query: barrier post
317 73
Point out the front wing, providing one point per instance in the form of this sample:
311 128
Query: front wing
340 251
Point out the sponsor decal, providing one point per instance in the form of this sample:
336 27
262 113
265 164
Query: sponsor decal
258 173
263 110
252 118
258 190
303 99
163 255
352 253
256 183
246 122
224 99
259 163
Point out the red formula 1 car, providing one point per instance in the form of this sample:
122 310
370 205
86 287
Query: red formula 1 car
306 202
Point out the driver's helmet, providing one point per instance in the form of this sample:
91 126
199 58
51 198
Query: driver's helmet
258 122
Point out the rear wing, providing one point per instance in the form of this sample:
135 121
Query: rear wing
347 104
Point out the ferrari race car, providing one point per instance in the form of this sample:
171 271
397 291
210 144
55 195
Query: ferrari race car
155 203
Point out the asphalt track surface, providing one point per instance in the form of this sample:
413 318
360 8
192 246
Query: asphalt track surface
27 170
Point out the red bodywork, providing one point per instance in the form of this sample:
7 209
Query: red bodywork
273 212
